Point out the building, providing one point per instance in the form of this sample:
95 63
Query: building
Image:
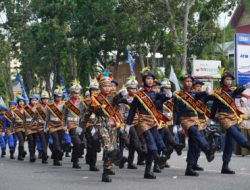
240 20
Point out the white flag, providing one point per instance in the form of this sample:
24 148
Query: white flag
2 103
173 78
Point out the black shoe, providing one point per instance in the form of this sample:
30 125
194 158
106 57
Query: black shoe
110 172
67 154
149 175
140 163
24 154
45 159
179 148
167 152
40 155
20 157
76 165
167 165
3 153
122 162
210 156
57 163
191 172
93 169
157 169
198 168
32 157
132 166
12 155
226 170
162 162
106 178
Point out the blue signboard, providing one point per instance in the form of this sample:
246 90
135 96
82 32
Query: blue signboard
242 58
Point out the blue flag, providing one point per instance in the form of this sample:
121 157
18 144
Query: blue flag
62 84
24 94
131 62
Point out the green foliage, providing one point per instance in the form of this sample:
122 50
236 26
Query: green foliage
67 37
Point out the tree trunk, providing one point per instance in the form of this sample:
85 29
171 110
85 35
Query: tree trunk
141 57
185 34
117 64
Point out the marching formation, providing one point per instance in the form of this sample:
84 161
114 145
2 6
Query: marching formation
146 120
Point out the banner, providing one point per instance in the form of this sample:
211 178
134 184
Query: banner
24 94
173 78
206 69
242 58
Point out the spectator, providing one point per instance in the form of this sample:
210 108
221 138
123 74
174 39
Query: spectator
244 126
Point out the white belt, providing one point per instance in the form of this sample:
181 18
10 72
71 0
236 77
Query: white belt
29 119
72 119
54 119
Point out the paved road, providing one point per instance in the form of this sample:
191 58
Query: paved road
16 175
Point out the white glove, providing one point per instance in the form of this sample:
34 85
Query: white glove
123 92
127 128
175 129
169 94
79 130
93 131
3 133
247 85
211 122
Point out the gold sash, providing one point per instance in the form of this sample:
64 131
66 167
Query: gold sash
18 114
227 100
150 107
55 111
41 112
187 99
29 111
73 108
169 106
8 116
101 101
202 108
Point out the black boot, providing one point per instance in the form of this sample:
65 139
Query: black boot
167 152
178 148
132 166
162 161
167 165
44 159
20 153
32 157
190 171
40 154
93 168
196 167
105 177
210 155
24 153
56 162
3 153
157 169
76 165
148 174
12 154
226 170
67 154
122 162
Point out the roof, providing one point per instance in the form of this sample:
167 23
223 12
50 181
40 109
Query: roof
237 15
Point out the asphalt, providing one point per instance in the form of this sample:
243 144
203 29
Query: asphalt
23 175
